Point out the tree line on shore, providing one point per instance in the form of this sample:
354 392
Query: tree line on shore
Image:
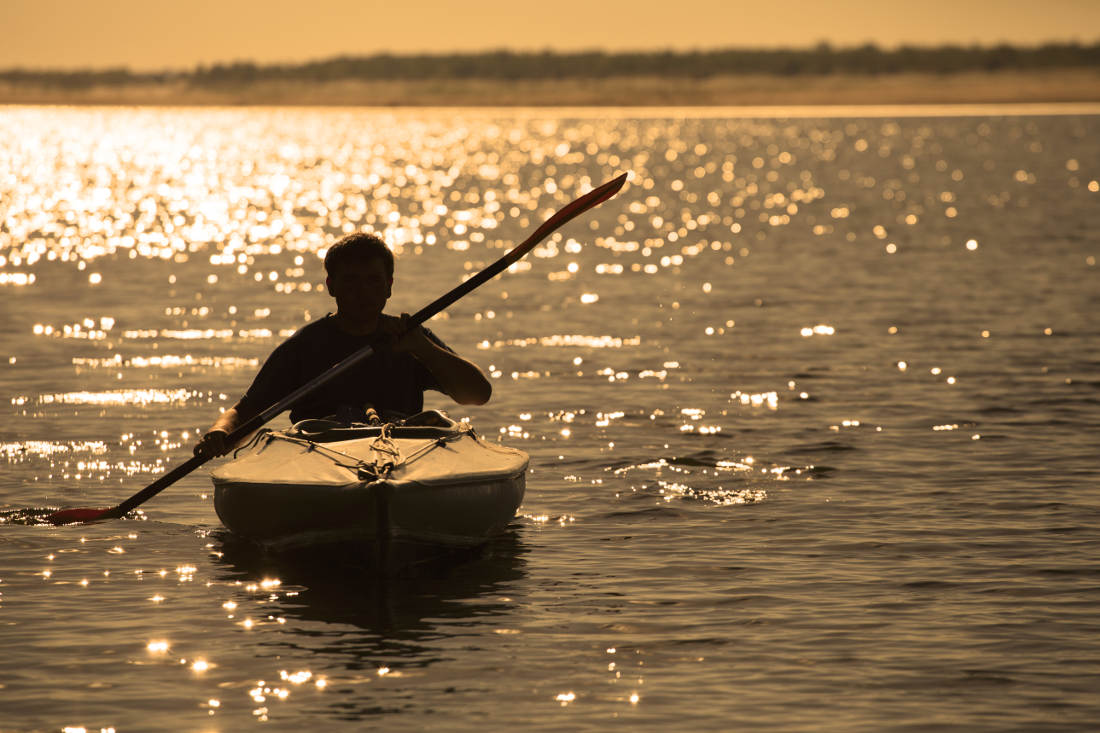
506 65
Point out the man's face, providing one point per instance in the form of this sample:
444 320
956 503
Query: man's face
361 289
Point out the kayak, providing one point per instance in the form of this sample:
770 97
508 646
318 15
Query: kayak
425 479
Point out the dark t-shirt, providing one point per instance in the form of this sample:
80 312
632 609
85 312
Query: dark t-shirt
389 381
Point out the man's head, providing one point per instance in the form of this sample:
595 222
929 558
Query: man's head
360 276
358 248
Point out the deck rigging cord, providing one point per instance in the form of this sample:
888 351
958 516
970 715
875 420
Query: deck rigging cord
387 454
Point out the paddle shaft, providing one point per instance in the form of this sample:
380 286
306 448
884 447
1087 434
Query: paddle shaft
568 212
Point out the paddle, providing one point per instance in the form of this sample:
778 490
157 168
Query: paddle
565 214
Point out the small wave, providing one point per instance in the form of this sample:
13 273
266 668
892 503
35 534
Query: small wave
648 512
718 496
38 516
827 446
21 450
28 516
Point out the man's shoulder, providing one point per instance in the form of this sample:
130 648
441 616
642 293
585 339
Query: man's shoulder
308 336
322 327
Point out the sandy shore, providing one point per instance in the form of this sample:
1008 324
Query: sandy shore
1070 85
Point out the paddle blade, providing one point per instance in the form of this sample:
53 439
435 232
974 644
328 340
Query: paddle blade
565 214
570 211
78 516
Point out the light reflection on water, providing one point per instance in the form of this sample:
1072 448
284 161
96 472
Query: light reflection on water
809 405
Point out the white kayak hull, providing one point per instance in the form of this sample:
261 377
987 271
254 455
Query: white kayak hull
303 486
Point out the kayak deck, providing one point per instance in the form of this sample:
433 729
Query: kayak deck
428 479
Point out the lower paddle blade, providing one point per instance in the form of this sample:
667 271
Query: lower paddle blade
77 516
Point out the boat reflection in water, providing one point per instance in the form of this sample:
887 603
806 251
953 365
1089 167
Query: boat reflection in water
350 610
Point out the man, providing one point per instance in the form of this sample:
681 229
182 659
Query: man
408 361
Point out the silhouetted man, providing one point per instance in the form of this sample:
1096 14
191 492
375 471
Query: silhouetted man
392 380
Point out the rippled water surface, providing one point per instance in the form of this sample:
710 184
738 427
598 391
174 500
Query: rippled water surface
812 408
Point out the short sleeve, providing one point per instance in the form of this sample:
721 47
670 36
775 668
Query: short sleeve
275 380
424 378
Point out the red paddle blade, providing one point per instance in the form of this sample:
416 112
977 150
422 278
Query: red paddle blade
76 516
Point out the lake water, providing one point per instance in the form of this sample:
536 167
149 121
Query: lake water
812 409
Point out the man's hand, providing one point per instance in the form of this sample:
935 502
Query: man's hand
212 444
400 334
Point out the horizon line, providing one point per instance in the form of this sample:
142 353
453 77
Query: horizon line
822 46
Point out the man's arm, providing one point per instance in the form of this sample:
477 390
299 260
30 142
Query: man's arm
213 442
268 385
462 380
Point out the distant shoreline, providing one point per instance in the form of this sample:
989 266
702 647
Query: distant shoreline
918 88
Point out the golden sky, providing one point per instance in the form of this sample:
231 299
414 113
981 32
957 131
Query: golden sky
179 34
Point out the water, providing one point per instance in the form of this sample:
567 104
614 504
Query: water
812 408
